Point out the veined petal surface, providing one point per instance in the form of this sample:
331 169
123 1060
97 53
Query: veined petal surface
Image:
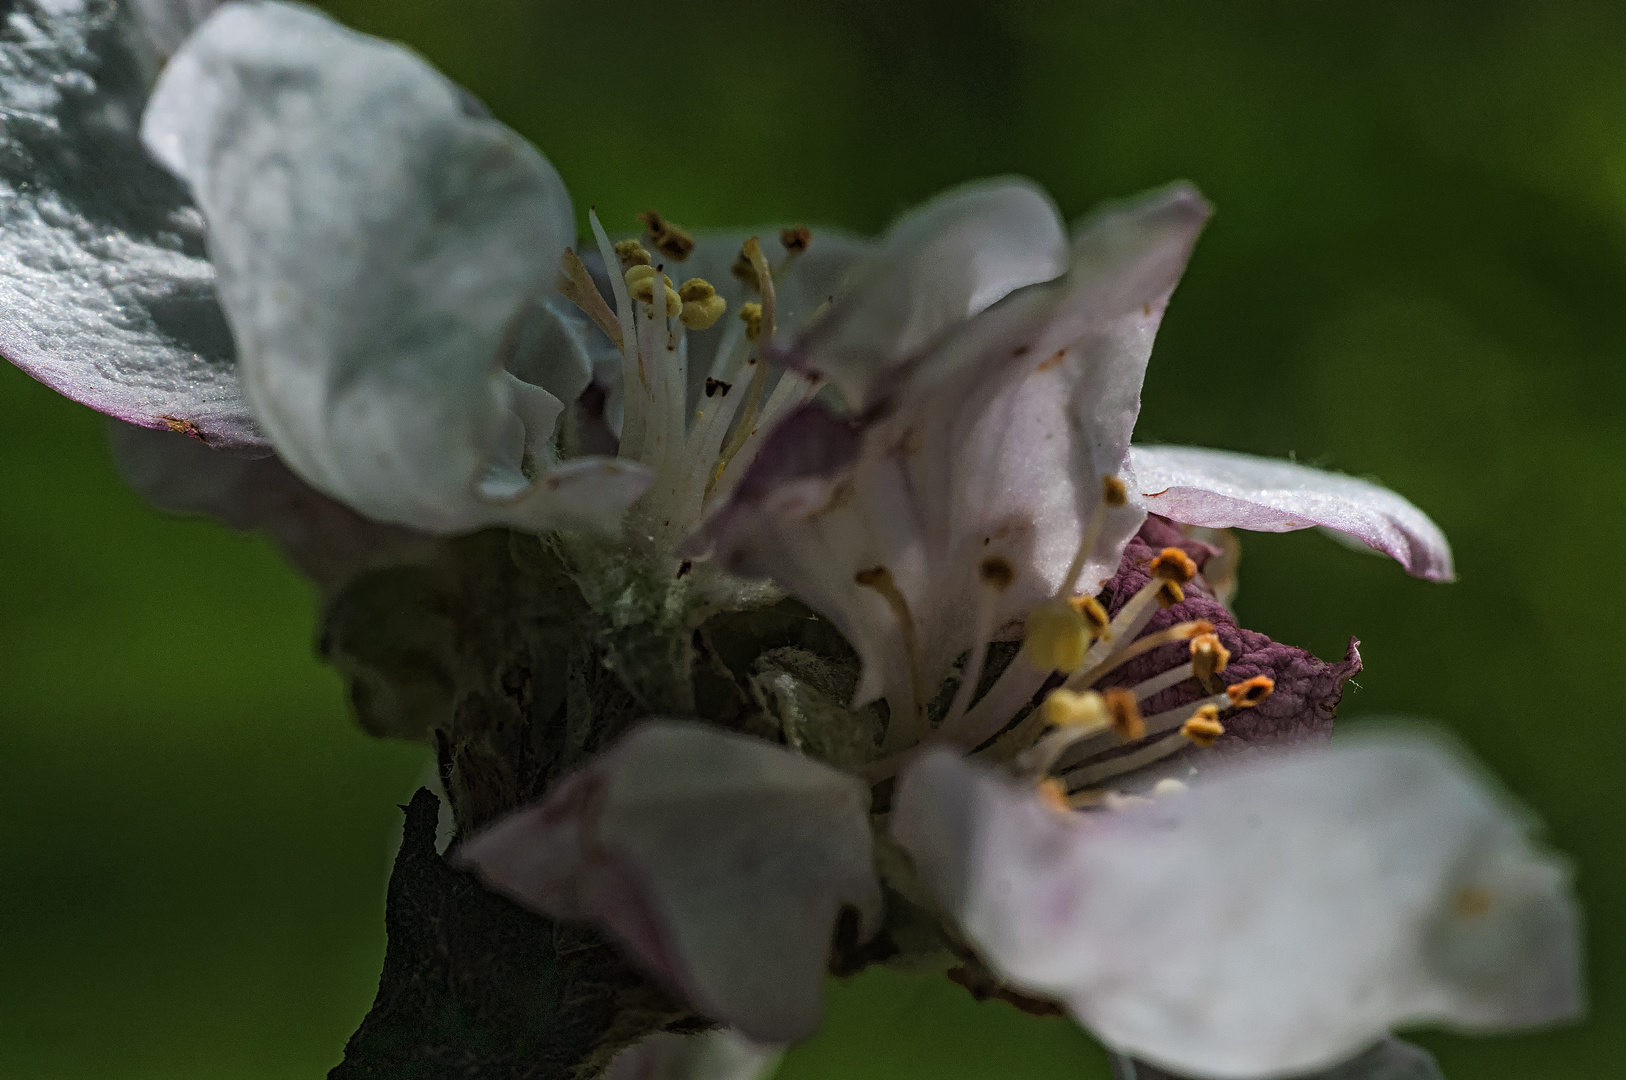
105 292
1218 489
991 445
940 264
721 861
379 242
1275 919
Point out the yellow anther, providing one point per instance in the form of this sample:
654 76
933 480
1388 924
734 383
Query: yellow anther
703 314
669 239
997 572
696 289
1064 708
1169 594
1095 616
1203 727
1056 638
796 239
641 284
1053 793
1113 492
1174 565
1250 692
1208 656
632 253
1124 714
751 315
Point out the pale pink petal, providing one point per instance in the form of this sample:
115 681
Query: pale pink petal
940 264
1217 489
1277 918
720 861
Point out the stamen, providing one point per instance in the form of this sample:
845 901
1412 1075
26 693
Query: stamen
995 575
1169 593
1127 722
1204 727
1086 711
1112 494
751 316
1151 753
632 424
759 379
1250 692
879 578
1095 616
743 272
641 285
1174 565
1208 659
632 253
669 239
796 239
577 286
1056 637
1053 793
702 307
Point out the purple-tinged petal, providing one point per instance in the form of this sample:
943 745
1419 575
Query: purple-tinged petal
989 446
722 862
940 264
381 247
1276 918
326 540
1218 489
105 295
1307 689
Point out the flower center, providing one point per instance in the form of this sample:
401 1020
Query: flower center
695 457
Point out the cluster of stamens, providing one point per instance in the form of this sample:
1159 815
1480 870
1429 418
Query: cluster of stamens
1079 742
694 457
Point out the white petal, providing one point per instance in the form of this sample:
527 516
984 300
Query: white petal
326 540
1217 489
941 264
164 24
1391 1059
104 292
379 245
1275 919
721 861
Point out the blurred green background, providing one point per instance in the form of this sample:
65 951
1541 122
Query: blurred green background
1417 272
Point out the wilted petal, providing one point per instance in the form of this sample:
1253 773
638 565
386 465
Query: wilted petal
1218 490
104 292
711 1055
379 244
720 861
941 264
1275 919
326 540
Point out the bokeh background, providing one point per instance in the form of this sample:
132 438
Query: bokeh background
1417 272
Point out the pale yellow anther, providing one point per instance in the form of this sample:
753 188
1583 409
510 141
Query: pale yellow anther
1204 727
703 314
1064 708
1057 638
632 253
1169 593
751 316
641 284
696 289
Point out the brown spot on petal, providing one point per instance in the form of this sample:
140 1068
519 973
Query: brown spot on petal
184 427
1053 362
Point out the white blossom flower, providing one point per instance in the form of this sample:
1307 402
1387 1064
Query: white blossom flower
925 440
